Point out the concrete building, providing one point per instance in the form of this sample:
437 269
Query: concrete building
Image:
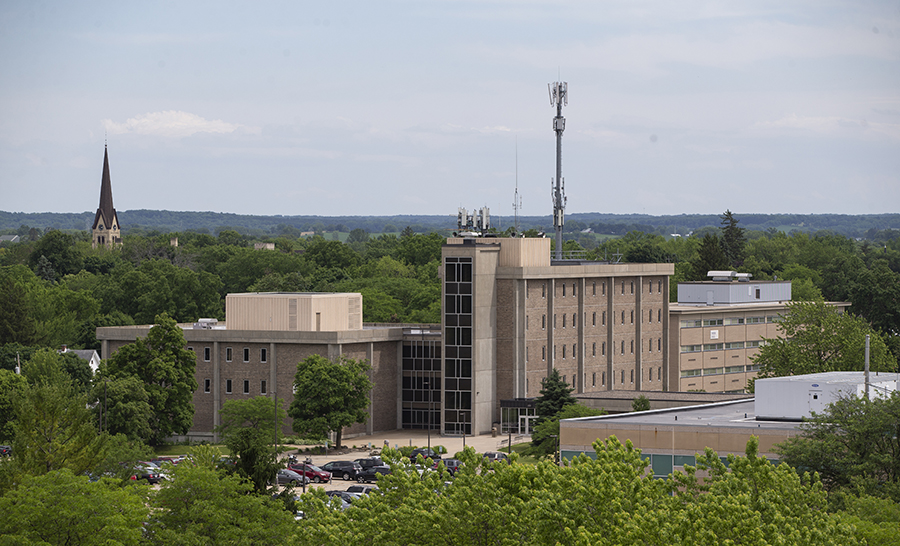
670 438
255 352
106 230
511 315
718 325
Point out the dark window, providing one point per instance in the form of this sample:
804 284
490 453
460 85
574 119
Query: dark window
206 354
262 387
228 386
263 355
246 354
632 376
227 354
594 319
594 292
246 386
206 385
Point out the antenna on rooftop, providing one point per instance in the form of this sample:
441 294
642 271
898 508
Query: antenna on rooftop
517 201
559 96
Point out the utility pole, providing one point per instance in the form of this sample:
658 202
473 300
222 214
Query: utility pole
559 96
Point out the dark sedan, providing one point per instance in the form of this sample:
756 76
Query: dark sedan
452 465
370 474
289 477
345 469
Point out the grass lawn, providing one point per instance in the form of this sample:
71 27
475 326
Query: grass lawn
524 459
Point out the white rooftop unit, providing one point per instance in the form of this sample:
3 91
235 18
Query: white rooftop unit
796 397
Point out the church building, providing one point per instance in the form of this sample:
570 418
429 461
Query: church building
106 229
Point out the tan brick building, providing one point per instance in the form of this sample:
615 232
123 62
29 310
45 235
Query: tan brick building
511 315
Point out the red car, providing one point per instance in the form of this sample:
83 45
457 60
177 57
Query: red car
311 471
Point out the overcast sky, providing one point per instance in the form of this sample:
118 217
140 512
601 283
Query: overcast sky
417 107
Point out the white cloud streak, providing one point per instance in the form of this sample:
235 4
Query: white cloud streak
172 124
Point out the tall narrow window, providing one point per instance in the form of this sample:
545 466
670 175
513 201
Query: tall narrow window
263 355
573 320
632 376
526 322
659 344
526 354
650 346
603 378
594 349
659 287
623 317
659 315
622 377
206 385
632 287
228 386
632 346
227 354
650 316
593 288
544 290
564 320
604 318
563 289
262 387
594 379
632 316
603 349
246 386
574 293
543 352
206 354
554 321
594 319
603 286
543 322
623 347
564 352
623 287
246 354
574 352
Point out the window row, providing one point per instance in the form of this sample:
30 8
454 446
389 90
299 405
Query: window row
720 346
729 321
229 354
719 371
207 386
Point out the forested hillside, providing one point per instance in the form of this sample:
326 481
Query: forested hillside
55 289
162 221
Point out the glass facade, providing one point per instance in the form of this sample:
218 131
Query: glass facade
421 387
458 345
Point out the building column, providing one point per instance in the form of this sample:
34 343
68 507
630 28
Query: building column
217 391
638 337
582 346
520 366
610 328
551 325
369 353
273 375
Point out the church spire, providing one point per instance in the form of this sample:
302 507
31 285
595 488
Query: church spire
106 224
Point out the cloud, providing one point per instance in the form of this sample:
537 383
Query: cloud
833 125
171 124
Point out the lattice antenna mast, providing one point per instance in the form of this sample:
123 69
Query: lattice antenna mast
559 96
517 201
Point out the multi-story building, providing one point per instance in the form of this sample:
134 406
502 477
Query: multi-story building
511 315
718 325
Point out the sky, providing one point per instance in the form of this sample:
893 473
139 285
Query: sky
424 106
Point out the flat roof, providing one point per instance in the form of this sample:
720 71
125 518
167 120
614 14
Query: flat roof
737 414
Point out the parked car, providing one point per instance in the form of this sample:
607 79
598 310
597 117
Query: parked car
494 456
146 472
426 453
289 477
371 461
312 472
370 474
452 465
5 451
361 489
346 495
345 469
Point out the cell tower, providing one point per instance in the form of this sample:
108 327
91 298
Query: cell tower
559 96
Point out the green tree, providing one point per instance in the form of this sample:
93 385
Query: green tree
641 403
54 430
59 249
815 337
709 258
733 239
123 407
854 444
545 438
555 394
11 385
329 395
255 458
64 508
166 369
46 365
257 413
202 506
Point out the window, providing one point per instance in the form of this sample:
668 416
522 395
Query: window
623 317
713 371
650 315
246 386
755 320
574 293
632 316
691 348
263 355
623 291
228 386
564 352
659 344
603 378
246 354
594 349
563 289
603 349
650 371
632 376
543 322
574 352
227 354
734 369
712 322
690 373
659 286
554 351
691 323
603 286
594 292
564 321
573 320
754 344
622 377
526 354
650 287
544 290
632 346
594 379
526 322
206 385
713 346
735 345
659 373
262 387
594 319
659 315
554 321
632 291
191 349
650 346
206 354
623 347
757 293
734 320
543 352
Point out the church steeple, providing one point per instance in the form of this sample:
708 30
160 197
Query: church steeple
106 230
